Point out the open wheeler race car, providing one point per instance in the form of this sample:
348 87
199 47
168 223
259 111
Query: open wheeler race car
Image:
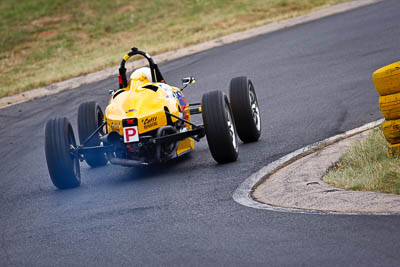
148 121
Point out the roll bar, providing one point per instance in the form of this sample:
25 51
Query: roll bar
155 72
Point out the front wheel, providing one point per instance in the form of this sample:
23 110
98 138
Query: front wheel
60 143
245 109
219 127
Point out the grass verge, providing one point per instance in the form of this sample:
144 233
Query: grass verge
45 41
366 166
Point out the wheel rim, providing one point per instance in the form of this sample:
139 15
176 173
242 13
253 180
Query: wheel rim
231 127
75 160
255 111
168 147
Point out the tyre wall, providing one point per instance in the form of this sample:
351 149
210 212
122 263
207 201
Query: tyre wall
387 84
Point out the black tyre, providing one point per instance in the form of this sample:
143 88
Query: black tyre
90 117
219 127
62 164
245 109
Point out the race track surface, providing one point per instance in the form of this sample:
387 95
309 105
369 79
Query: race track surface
313 81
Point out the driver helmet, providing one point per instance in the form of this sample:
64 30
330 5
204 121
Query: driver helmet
142 74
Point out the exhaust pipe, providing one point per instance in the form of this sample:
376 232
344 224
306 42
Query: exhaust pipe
127 162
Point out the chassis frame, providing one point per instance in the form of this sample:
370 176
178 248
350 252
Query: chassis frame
196 133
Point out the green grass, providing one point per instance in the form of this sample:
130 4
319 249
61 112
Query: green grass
367 167
45 41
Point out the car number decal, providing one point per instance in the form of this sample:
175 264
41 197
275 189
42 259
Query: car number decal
131 134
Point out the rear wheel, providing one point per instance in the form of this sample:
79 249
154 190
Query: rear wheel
59 147
245 109
219 127
90 117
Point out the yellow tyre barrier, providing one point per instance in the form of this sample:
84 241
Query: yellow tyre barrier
391 131
394 150
387 79
390 106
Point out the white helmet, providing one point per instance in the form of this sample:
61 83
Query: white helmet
142 74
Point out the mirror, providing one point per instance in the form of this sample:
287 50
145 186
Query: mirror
188 80
112 91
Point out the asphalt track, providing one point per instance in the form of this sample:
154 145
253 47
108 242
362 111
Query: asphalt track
313 81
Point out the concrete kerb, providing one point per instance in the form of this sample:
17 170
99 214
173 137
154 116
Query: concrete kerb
293 192
164 57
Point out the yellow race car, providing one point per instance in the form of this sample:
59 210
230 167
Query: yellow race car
148 121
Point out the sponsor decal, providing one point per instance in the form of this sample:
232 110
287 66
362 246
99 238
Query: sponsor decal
183 104
115 125
181 99
167 89
150 122
131 110
185 116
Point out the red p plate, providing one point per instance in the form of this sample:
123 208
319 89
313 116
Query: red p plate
131 134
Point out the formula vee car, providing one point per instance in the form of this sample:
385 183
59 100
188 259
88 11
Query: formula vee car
147 122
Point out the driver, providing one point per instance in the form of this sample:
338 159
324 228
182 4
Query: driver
142 74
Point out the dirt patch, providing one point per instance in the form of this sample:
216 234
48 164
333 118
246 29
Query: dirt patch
82 36
50 20
47 34
127 8
246 19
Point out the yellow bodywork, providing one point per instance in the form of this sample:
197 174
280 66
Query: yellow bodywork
148 107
